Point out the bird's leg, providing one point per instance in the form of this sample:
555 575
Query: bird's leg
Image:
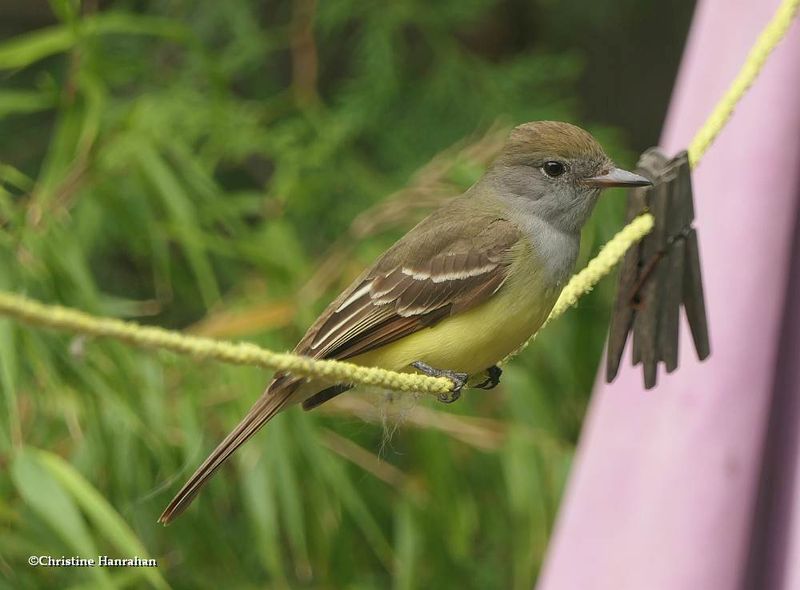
459 380
493 378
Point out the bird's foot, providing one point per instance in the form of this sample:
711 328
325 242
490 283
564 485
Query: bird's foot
459 380
493 378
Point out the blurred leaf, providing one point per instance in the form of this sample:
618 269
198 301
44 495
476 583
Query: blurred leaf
18 102
50 501
106 519
182 217
27 49
407 542
8 379
24 50
14 177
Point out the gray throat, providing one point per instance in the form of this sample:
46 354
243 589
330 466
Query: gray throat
555 250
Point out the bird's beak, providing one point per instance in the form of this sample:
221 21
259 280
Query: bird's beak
617 177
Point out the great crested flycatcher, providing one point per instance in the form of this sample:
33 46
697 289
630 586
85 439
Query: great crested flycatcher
460 291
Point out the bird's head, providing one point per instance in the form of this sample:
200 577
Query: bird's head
556 171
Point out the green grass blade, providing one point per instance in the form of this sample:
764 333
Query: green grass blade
45 495
107 520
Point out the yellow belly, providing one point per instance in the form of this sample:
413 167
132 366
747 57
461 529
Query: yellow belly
473 341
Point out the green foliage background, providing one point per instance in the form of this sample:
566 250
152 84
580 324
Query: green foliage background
195 165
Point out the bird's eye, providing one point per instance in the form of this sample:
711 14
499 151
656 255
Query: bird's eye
553 169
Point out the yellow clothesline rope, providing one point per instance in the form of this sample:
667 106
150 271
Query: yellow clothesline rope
766 42
54 316
241 353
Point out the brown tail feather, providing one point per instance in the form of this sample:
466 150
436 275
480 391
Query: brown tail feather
274 399
319 398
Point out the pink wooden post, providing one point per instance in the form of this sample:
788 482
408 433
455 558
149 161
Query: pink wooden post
695 485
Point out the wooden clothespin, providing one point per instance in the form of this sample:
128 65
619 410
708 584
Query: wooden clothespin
660 274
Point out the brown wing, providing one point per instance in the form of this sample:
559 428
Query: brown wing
427 276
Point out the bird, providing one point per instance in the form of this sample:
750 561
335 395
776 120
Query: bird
461 290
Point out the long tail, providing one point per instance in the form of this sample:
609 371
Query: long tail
275 398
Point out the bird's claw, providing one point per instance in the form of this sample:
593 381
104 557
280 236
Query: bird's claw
449 397
493 379
459 380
